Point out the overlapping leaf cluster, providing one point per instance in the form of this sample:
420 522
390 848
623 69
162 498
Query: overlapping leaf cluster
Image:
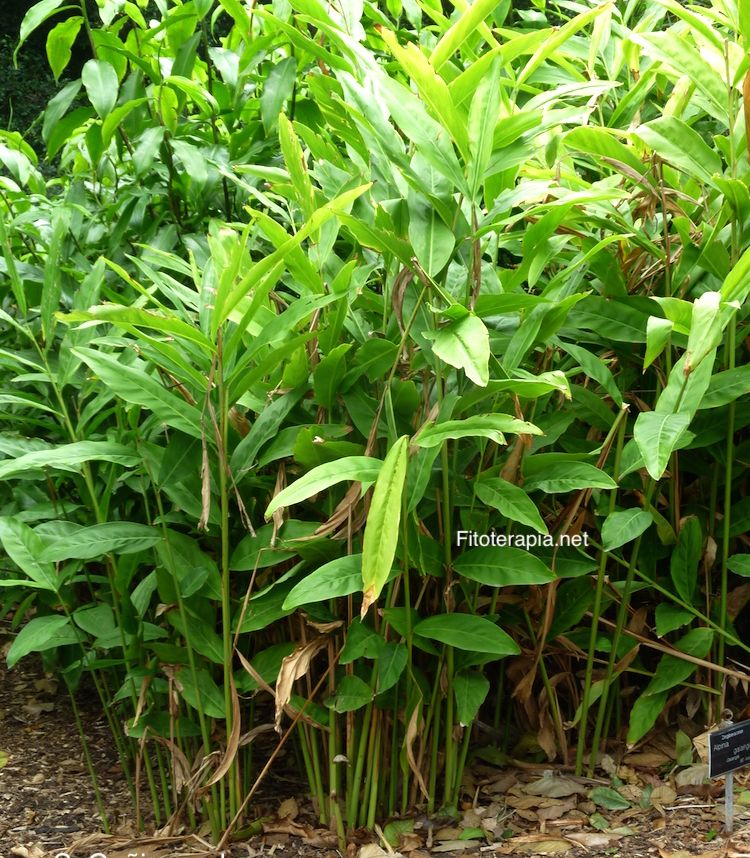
320 290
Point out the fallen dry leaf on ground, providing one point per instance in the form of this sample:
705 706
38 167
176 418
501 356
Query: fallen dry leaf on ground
594 839
536 844
288 809
552 786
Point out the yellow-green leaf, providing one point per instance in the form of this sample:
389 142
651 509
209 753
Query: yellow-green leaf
381 530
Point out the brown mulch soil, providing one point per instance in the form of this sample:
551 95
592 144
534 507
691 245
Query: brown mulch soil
48 808
46 798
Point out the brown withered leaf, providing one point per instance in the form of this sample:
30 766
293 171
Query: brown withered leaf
409 841
455 845
373 850
557 810
692 775
412 731
661 796
593 839
536 844
233 742
552 786
288 809
205 485
647 759
293 667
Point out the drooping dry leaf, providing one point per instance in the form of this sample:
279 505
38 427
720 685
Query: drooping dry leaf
324 628
294 666
700 743
233 743
412 731
205 486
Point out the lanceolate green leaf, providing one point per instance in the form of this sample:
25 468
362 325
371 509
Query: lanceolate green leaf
672 669
264 273
685 560
101 83
433 241
352 694
551 473
502 566
706 327
85 543
134 383
677 143
340 577
464 343
467 632
69 457
471 690
392 661
511 501
624 526
432 88
471 19
295 163
489 426
278 87
483 115
39 634
382 527
677 53
24 547
60 41
658 332
361 469
643 715
132 318
657 436
726 387
36 16
558 38
736 286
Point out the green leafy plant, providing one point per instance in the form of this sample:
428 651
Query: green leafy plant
318 293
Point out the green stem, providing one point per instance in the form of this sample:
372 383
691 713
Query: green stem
603 557
355 785
727 520
620 623
89 761
226 598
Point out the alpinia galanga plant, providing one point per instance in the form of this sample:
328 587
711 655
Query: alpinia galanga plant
316 287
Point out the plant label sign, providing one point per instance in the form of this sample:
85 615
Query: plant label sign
729 749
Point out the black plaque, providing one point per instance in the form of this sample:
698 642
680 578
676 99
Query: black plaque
729 749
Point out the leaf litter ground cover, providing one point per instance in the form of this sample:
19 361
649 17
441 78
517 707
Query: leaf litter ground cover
647 805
